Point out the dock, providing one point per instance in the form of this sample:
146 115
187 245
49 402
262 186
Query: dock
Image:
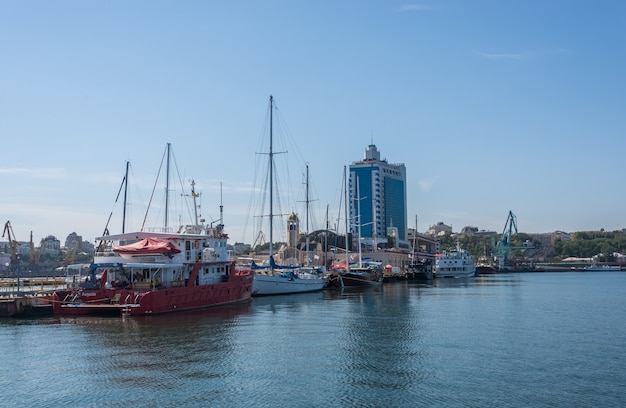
28 296
26 304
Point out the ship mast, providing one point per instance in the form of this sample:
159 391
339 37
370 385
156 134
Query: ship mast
271 154
345 204
307 216
167 185
125 198
358 219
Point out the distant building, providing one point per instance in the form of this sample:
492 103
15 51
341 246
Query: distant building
469 230
563 236
50 244
241 248
484 233
377 202
439 229
73 241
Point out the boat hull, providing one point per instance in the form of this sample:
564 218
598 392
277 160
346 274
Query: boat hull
419 272
355 279
486 270
238 288
266 285
460 274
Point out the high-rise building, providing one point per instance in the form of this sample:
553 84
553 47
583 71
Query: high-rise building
377 203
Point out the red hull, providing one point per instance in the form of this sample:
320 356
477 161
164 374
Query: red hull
238 288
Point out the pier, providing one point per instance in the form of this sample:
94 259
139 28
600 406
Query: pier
28 297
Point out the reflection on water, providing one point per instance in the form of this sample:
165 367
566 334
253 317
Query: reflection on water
501 340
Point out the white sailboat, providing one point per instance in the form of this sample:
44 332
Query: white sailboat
275 279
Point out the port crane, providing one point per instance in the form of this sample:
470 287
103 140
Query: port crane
34 255
8 231
502 248
15 258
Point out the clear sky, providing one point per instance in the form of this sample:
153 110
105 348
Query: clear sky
491 105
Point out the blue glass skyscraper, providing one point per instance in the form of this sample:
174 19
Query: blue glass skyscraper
377 199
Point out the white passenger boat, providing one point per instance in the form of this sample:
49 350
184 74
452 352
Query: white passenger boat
457 263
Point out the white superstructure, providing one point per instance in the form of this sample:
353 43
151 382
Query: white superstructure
456 263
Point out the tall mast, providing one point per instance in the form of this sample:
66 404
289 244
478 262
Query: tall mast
345 191
307 215
326 240
167 185
415 241
195 205
358 219
125 195
221 206
271 154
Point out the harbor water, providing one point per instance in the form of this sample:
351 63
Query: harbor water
506 340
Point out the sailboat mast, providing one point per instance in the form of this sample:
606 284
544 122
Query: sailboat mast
345 191
307 215
326 240
358 218
167 185
271 154
125 195
415 241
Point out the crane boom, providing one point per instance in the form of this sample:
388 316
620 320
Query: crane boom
502 247
8 231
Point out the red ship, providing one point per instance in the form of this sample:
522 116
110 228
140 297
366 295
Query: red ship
146 273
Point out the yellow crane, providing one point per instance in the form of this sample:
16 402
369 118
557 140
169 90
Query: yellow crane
34 254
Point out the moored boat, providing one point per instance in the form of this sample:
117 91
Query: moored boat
361 274
484 266
145 273
354 276
360 277
420 271
274 279
282 280
457 263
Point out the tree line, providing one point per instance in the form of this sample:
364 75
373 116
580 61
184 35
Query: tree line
584 244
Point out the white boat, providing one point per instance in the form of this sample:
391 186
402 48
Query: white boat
275 279
602 268
457 263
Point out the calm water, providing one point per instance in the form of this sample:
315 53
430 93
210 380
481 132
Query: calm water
511 340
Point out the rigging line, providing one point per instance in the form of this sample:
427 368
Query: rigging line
106 227
339 213
185 203
141 203
286 136
251 200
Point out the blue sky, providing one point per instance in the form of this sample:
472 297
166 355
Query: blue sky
492 105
